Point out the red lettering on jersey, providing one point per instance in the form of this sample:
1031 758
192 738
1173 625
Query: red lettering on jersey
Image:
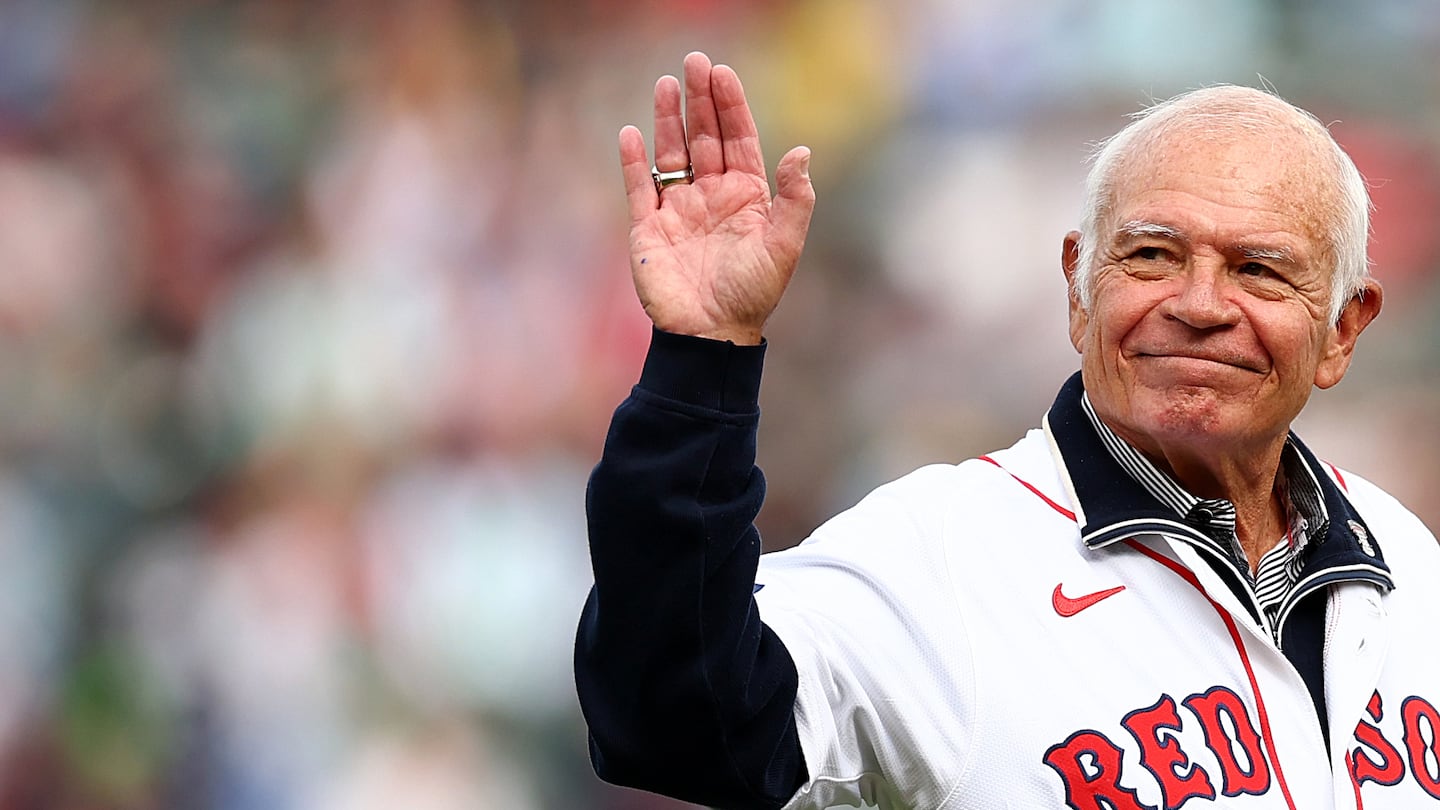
1422 741
1161 754
1089 765
1212 708
1391 768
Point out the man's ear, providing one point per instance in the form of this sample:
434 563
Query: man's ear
1069 262
1359 311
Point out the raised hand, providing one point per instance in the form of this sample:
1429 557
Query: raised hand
712 257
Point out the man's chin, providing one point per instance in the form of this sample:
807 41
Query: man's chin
1188 412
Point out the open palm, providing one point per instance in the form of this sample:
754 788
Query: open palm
713 257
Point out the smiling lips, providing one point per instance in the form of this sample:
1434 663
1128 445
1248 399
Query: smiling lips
1220 358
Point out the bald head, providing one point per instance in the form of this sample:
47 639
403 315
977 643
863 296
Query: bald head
1317 174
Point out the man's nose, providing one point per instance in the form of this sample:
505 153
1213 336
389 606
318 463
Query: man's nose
1203 298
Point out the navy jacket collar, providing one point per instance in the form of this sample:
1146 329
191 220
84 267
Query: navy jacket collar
1114 506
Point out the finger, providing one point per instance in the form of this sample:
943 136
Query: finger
793 204
670 152
635 168
701 123
738 137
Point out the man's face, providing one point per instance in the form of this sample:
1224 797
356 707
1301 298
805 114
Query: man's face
1209 317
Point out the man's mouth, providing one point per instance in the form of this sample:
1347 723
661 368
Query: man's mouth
1216 358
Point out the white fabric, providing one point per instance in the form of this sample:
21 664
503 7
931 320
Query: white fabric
935 672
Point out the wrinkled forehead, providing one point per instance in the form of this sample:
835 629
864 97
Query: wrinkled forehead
1277 166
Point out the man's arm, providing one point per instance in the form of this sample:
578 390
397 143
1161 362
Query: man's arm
686 692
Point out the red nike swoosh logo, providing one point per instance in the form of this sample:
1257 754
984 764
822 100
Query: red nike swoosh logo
1068 607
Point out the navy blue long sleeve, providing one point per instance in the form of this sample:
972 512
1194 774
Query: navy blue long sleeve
685 690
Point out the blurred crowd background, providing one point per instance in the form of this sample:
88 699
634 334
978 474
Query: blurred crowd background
312 316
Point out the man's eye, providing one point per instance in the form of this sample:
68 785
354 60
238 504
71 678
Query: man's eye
1150 254
1253 269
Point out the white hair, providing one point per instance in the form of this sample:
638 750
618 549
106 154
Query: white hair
1224 111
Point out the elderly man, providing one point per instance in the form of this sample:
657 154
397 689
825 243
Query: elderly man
1158 599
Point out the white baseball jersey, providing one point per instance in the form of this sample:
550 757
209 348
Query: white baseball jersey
968 637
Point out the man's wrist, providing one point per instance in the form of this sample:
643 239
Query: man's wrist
739 336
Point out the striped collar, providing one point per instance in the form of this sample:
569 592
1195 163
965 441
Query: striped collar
1111 505
1215 517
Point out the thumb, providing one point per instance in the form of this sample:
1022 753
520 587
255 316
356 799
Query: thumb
794 201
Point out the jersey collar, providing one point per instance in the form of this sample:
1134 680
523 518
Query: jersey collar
1112 506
